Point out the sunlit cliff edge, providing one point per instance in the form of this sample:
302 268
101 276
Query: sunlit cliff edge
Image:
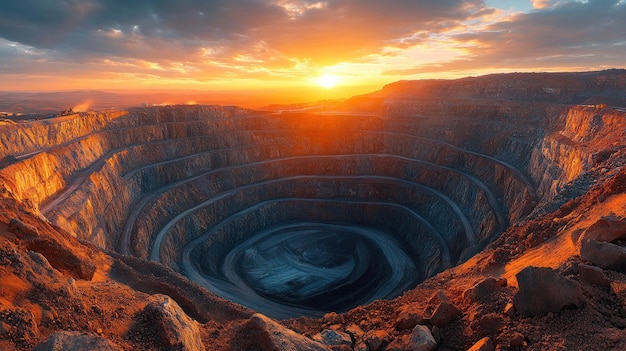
504 172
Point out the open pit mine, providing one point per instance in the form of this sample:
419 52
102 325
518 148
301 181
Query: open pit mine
484 213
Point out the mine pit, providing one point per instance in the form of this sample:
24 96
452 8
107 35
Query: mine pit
289 214
379 216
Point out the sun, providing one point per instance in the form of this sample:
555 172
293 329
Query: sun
328 81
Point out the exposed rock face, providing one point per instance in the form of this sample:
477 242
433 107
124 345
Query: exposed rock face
542 290
483 288
171 326
263 334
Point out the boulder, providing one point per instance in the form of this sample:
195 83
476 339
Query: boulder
607 228
484 344
355 331
264 334
543 290
422 339
593 275
483 288
511 338
333 338
62 257
517 339
75 341
376 339
409 318
604 255
445 313
173 329
437 297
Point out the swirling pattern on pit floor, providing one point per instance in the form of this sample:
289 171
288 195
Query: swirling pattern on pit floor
309 268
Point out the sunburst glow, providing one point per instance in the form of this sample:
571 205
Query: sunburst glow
328 81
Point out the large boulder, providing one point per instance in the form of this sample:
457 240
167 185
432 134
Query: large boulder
75 341
263 334
483 288
333 338
409 317
607 228
173 329
376 339
543 290
604 254
422 339
593 275
444 314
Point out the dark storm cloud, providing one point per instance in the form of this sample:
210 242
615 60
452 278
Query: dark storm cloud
149 29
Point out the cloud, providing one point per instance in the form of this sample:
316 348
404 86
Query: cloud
540 4
211 40
324 31
579 35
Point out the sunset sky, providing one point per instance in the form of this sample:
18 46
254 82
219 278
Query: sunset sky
287 45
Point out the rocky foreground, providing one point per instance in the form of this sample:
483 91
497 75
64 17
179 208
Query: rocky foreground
554 279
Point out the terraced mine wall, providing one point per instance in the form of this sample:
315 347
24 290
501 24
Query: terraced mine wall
301 213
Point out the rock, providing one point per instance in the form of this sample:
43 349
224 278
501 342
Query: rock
409 318
333 338
517 339
173 327
542 290
593 275
438 297
445 313
604 255
263 334
509 310
489 324
75 341
375 339
483 288
355 331
437 333
17 225
422 339
62 257
484 344
607 228
400 343
361 346
511 339
59 255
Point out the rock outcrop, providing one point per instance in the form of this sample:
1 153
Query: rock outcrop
542 290
263 334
